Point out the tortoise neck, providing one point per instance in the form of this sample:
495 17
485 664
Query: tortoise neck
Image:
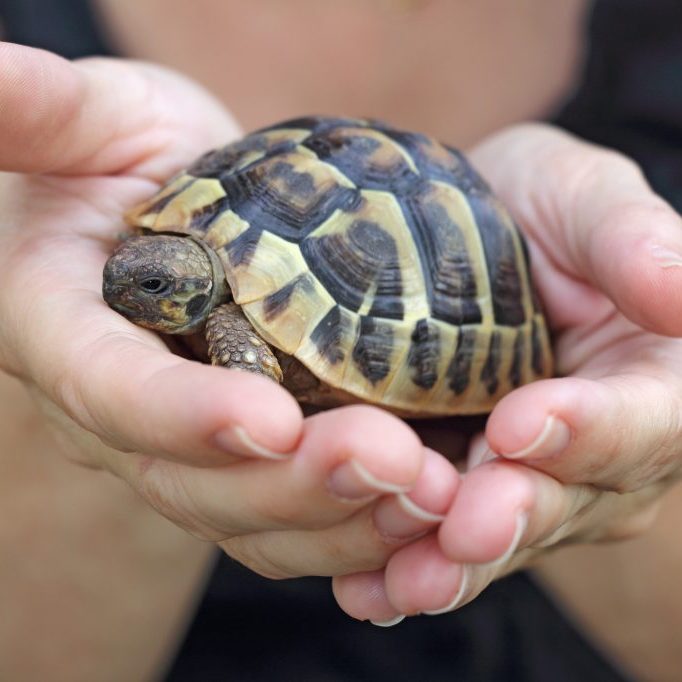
220 292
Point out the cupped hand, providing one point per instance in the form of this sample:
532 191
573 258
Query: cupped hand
584 457
224 454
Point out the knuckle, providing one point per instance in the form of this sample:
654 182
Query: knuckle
250 552
268 511
67 393
655 445
161 484
365 549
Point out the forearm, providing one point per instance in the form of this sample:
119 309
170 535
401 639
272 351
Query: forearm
625 594
93 584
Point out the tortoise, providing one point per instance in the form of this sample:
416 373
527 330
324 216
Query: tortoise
350 260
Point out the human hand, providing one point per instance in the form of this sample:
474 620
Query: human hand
581 458
226 455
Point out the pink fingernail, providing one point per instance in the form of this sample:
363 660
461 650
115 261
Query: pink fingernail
352 481
458 598
388 623
520 529
480 457
412 509
666 257
551 441
399 518
237 441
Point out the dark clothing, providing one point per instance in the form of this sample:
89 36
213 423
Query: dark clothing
67 27
265 631
249 628
631 96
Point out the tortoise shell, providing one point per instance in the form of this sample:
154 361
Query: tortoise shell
378 258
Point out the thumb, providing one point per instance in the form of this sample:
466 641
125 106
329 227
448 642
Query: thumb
595 220
101 116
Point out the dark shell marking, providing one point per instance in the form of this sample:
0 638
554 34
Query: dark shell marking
275 196
449 272
372 350
415 276
424 354
349 264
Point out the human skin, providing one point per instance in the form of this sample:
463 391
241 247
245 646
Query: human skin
454 69
94 584
625 595
157 171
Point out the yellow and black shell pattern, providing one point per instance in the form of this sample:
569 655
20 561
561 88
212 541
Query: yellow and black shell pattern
378 258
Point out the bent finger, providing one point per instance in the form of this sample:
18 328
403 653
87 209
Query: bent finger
619 432
363 597
68 117
594 216
346 459
356 544
502 507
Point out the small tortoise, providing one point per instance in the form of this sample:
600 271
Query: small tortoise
355 262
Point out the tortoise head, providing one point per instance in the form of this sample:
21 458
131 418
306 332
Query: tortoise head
166 283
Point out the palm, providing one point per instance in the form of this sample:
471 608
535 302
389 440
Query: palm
62 244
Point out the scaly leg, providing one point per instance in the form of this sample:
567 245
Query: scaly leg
233 343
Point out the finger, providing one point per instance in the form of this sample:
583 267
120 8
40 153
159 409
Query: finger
421 579
452 583
619 432
70 117
346 458
370 537
502 507
595 218
500 510
350 547
363 597
175 409
353 545
407 515
439 574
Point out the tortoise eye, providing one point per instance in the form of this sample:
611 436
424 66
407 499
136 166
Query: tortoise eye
154 285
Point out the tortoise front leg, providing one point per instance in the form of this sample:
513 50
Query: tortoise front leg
233 343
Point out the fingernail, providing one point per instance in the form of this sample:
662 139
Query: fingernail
412 509
552 441
458 598
399 518
388 623
521 525
667 258
481 457
352 481
237 441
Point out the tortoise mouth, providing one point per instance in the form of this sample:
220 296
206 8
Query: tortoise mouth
119 294
115 297
124 309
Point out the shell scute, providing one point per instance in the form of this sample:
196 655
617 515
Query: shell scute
228 160
288 194
368 157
